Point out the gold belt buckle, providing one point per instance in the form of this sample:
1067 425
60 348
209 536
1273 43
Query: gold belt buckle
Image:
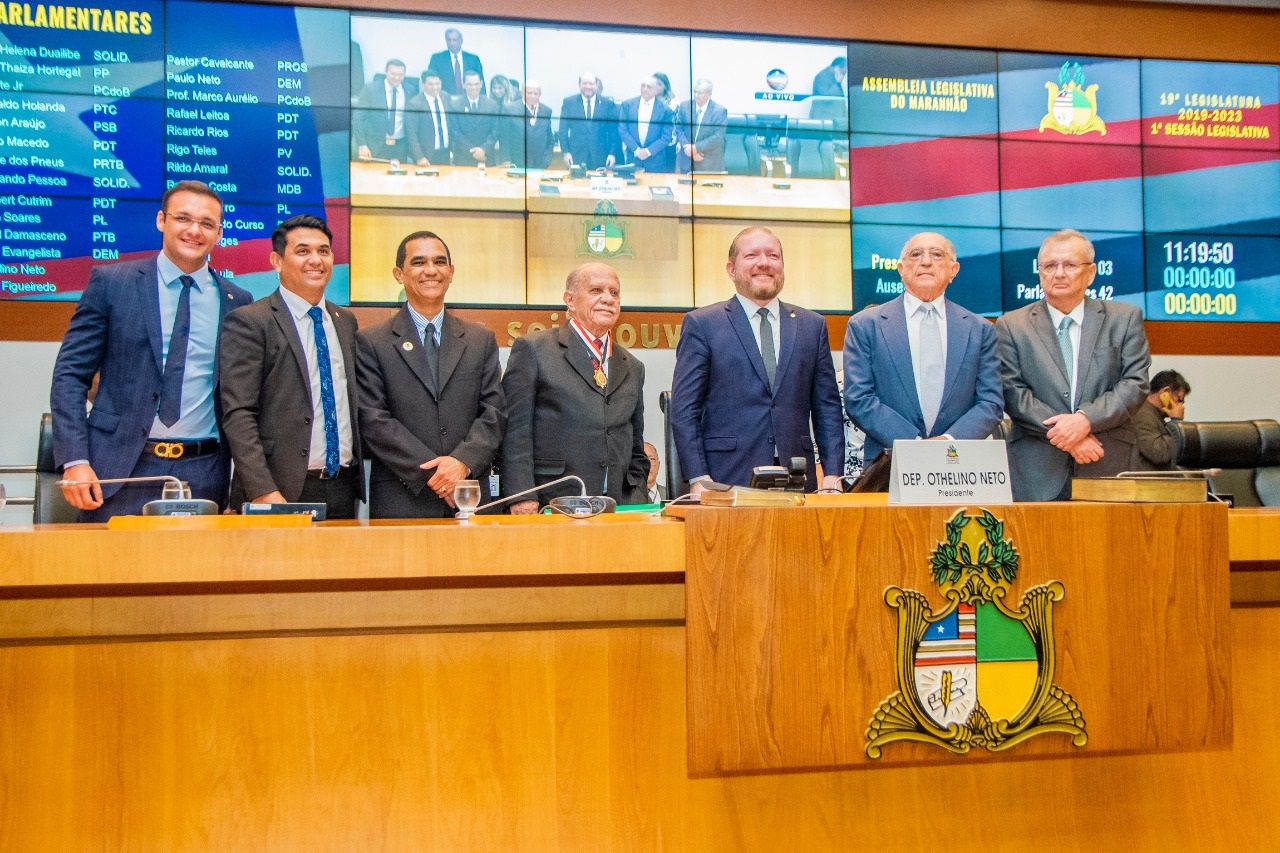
169 449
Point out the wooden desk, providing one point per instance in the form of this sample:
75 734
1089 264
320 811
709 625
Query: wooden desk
489 708
1254 539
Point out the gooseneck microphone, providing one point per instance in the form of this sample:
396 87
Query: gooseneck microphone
582 504
185 505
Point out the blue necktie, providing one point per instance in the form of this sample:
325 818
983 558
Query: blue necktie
1068 354
175 365
332 461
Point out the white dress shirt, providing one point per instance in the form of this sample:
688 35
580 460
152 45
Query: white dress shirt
299 307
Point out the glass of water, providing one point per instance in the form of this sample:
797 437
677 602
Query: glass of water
172 491
466 495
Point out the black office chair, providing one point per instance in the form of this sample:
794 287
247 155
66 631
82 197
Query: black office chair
677 485
1248 452
48 506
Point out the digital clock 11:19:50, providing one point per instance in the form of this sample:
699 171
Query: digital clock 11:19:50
1199 252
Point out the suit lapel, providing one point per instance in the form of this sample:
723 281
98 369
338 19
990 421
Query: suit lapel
958 332
409 345
742 326
786 341
452 346
289 329
894 332
149 297
575 352
618 369
1043 324
1090 331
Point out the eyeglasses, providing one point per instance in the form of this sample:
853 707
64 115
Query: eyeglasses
184 221
1068 267
915 256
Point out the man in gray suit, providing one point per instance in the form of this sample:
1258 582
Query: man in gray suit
287 379
431 404
575 401
1074 370
700 130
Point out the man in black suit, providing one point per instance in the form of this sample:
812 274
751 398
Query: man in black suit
576 401
288 383
647 129
700 130
475 125
828 85
431 406
534 146
428 119
589 126
452 65
378 123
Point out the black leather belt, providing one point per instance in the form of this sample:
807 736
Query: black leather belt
181 449
318 473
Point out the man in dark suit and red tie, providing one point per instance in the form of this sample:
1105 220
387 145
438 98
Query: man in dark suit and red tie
149 330
378 121
753 376
431 406
575 401
288 383
589 126
700 131
451 65
647 128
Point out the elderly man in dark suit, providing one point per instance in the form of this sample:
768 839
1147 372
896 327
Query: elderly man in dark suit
431 404
531 142
149 330
288 383
451 65
700 131
647 128
1074 371
752 375
920 366
589 126
576 401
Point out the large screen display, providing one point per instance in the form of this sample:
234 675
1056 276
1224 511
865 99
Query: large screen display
534 147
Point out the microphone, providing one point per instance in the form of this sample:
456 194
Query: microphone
580 505
184 505
1180 474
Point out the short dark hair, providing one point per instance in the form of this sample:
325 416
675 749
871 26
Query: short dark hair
391 62
430 73
420 235
197 187
280 237
840 62
1171 380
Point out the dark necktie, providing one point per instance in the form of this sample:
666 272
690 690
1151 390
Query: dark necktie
591 108
457 74
175 365
433 355
332 460
435 117
766 346
391 115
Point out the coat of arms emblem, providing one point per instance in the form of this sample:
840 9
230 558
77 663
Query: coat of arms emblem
605 234
1073 107
976 673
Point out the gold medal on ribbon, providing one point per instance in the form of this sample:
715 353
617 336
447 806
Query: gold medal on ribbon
601 379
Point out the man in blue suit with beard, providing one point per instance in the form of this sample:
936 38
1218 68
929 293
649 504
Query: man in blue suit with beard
920 366
149 330
753 377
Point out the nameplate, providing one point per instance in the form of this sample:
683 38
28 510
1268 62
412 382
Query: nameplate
949 472
607 187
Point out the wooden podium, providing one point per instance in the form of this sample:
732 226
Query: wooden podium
792 648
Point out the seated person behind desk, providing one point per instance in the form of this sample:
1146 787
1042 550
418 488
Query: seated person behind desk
899 357
428 124
288 382
431 403
1158 444
475 124
378 122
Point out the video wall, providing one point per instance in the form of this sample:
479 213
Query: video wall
533 148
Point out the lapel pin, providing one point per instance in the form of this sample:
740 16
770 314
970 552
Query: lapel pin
408 346
793 315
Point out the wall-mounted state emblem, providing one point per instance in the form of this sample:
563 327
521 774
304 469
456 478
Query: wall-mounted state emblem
605 234
976 673
1073 107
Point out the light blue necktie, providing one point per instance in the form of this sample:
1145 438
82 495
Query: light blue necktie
932 366
1068 354
332 460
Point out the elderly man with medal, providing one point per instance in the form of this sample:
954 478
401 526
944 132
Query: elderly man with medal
575 401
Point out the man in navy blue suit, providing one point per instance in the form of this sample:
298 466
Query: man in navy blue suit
589 126
753 376
149 330
647 127
921 366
